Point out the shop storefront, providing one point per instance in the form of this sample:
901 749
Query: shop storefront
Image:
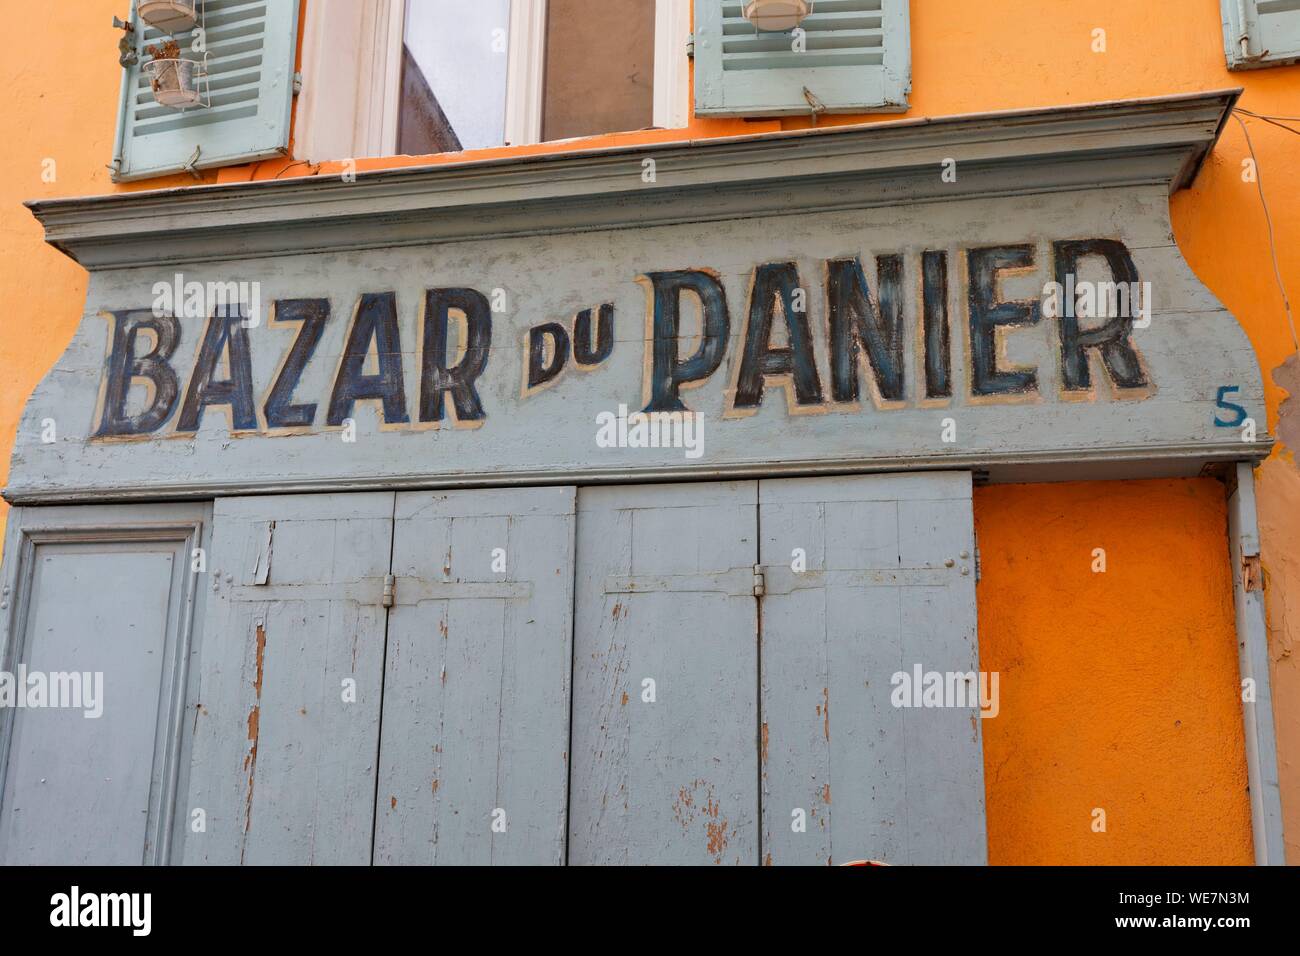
602 507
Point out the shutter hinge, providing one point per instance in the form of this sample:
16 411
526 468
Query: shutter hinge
1252 573
297 83
815 104
189 166
690 46
760 581
390 587
979 569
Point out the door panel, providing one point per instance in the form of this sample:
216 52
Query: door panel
101 624
476 692
665 594
286 730
875 781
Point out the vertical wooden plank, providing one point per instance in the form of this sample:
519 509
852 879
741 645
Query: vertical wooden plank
874 597
476 693
664 595
286 727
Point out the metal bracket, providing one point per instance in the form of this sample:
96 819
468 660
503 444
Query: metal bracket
815 105
779 579
126 53
362 591
1246 55
690 46
189 166
1252 573
736 582
760 581
297 83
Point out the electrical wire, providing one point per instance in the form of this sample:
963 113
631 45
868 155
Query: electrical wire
1241 109
1268 218
1273 120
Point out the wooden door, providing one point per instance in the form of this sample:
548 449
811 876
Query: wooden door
286 724
474 753
665 712
866 578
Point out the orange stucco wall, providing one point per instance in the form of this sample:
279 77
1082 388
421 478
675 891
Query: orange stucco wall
1129 710
1119 687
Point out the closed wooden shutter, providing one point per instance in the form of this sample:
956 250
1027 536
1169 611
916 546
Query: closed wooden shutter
1260 33
473 761
250 47
738 647
285 725
854 56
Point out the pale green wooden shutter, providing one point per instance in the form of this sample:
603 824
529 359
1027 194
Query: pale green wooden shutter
857 58
1259 33
250 57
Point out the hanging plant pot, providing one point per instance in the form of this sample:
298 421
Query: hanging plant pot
776 15
169 16
175 82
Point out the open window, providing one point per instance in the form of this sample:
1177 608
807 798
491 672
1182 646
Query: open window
413 77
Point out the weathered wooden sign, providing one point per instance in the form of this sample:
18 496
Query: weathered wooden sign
864 336
1007 329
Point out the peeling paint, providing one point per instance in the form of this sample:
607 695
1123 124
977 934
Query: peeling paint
717 839
254 722
688 807
1287 376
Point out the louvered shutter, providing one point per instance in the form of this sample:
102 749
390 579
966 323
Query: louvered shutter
1270 29
250 56
856 58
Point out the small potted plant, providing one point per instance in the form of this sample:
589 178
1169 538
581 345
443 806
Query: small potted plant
174 80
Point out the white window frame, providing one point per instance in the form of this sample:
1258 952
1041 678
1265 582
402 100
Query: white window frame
352 75
672 82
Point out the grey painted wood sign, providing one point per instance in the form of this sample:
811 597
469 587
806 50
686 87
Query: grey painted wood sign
996 292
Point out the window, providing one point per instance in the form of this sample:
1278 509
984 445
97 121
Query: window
1259 33
244 68
429 76
847 56
454 71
